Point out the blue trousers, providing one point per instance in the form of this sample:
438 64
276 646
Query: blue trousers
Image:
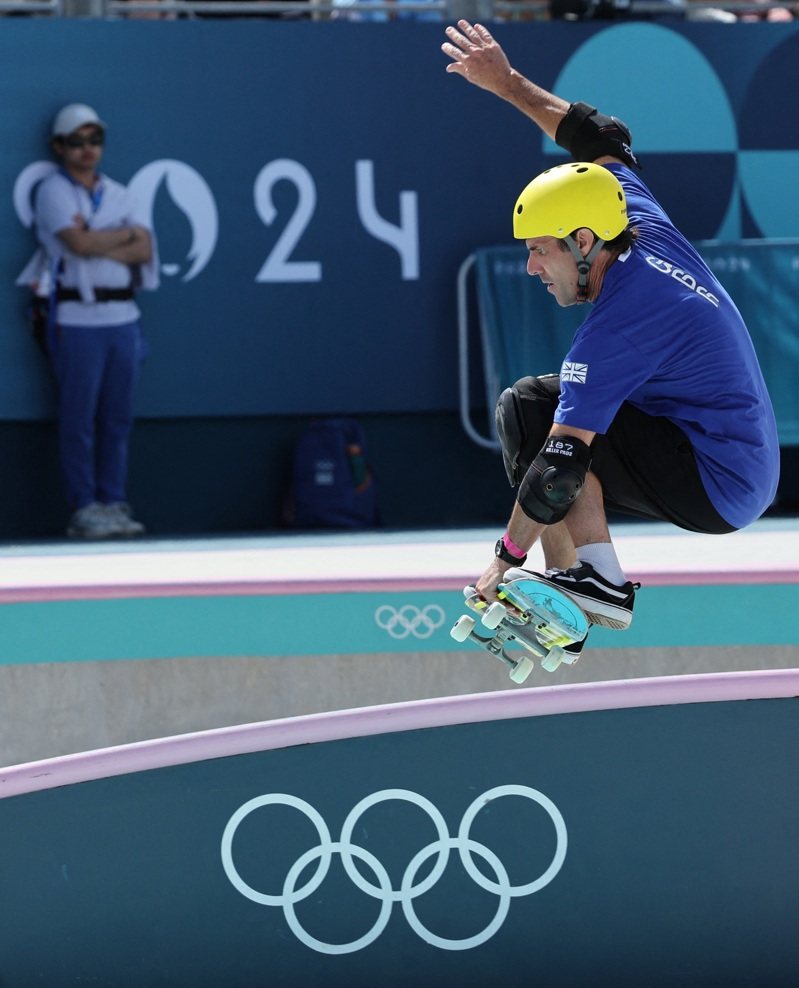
96 369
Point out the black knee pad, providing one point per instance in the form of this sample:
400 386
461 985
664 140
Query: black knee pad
523 417
555 480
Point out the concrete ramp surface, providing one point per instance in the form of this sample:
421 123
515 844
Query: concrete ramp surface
620 833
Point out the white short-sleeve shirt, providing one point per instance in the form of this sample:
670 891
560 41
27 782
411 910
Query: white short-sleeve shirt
109 206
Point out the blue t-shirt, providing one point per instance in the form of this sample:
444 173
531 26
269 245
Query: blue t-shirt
665 336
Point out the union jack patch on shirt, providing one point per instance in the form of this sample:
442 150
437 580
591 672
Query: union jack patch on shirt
576 373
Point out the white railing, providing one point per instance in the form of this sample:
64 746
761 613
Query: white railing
314 9
447 10
55 7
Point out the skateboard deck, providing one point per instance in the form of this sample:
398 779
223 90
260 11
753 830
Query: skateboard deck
529 615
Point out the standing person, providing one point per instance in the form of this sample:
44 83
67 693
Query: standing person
98 252
660 409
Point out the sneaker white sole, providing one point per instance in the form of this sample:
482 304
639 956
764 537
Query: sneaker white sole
92 536
605 615
130 533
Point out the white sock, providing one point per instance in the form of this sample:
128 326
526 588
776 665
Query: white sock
602 556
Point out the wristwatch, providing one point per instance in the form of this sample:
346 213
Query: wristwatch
501 552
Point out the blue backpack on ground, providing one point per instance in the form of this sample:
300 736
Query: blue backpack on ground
331 485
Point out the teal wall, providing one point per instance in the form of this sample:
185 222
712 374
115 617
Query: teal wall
253 328
646 846
308 253
356 623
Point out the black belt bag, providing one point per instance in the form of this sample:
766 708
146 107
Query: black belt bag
100 295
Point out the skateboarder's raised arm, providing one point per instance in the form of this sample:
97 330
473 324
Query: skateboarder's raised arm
479 58
578 127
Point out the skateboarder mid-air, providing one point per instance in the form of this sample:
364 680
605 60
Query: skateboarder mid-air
660 409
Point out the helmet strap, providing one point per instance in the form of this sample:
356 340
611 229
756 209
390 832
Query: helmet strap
583 264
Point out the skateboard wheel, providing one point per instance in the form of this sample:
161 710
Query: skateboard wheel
462 628
522 670
553 659
494 616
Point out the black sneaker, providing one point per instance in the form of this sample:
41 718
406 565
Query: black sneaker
602 602
574 651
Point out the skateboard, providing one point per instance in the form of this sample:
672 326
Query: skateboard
529 615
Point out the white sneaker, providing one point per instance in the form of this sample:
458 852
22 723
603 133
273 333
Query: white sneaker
121 516
92 522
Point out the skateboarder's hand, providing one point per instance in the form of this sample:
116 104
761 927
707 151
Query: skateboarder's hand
486 586
477 57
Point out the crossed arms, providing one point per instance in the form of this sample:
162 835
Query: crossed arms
127 245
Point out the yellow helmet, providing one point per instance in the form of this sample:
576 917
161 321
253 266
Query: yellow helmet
568 197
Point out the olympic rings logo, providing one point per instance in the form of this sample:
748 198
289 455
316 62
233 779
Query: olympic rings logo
409 620
383 890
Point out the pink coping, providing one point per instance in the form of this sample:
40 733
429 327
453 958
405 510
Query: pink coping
18 595
410 716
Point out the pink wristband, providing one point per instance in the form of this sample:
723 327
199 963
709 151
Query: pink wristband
512 548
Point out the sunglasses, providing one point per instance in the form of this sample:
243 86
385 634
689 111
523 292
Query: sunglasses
95 141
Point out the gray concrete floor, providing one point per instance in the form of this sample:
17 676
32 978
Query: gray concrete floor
63 708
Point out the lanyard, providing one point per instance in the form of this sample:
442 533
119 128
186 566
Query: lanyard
95 194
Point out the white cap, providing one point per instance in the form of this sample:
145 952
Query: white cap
74 116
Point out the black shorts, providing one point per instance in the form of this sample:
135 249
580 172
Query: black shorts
645 463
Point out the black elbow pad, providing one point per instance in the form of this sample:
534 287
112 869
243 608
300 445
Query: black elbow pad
588 134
